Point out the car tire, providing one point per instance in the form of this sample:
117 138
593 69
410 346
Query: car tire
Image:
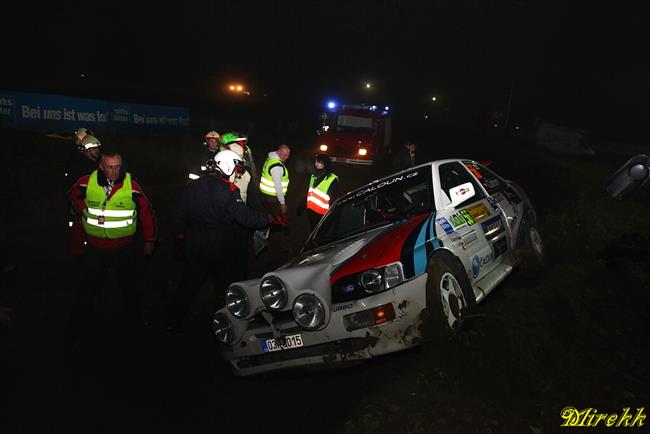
532 263
449 297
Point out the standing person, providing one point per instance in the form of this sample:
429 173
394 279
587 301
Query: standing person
405 157
210 210
323 190
198 163
111 203
81 162
232 138
274 184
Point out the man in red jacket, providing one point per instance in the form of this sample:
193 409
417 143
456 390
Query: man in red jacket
111 203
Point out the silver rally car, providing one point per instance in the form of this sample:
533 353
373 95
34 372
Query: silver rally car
396 262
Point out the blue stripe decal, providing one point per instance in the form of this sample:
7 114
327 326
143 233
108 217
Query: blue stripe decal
420 248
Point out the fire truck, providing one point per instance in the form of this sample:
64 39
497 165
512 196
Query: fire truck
355 134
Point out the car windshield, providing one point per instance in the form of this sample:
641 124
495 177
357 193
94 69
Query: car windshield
378 204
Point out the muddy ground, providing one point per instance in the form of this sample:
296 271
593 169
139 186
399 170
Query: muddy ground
578 336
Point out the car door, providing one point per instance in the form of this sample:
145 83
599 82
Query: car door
463 223
502 196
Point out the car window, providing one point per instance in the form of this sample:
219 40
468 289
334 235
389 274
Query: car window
454 174
488 179
375 205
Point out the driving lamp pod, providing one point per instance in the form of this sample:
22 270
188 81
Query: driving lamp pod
273 293
309 312
237 302
223 328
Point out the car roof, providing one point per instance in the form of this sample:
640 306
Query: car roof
431 164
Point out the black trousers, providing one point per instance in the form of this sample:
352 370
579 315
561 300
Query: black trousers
96 265
207 257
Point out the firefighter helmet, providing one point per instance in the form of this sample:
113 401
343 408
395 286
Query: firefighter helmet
89 142
212 135
227 161
233 137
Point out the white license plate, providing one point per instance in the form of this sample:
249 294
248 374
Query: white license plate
293 341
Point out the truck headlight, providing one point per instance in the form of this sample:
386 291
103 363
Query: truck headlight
273 293
223 328
237 302
309 312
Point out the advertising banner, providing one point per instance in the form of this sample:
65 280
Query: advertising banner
42 112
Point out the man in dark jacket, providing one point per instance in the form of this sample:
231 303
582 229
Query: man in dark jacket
209 211
198 164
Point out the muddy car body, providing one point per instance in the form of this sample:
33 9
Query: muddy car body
398 260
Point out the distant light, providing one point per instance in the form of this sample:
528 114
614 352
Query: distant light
232 87
363 151
323 148
239 88
386 108
83 75
326 128
368 85
331 105
516 127
496 125
433 98
373 108
426 116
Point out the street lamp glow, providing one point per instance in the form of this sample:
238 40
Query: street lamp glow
239 88
368 85
433 98
232 87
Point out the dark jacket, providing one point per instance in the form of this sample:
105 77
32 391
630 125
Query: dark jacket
211 208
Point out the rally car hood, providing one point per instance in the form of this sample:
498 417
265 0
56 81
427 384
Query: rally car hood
337 252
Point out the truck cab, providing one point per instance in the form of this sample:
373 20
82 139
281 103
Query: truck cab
354 134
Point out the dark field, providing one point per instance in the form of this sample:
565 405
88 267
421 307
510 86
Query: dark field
578 336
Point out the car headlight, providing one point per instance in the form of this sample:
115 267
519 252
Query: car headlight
223 328
393 275
309 312
368 282
237 302
273 293
372 281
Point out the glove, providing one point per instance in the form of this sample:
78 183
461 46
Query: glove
178 250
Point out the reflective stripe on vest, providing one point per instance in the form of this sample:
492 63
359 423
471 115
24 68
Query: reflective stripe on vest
317 198
267 186
115 218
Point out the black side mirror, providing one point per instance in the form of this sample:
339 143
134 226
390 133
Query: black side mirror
629 177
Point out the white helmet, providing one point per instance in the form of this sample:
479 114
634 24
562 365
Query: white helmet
227 161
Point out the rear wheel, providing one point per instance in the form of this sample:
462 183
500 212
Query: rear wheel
449 297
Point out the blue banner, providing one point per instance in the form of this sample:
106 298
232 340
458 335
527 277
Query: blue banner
33 111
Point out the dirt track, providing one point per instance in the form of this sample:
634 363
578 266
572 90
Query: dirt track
576 337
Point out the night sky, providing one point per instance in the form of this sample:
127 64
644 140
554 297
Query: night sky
577 61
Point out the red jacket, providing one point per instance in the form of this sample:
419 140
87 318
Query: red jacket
146 214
